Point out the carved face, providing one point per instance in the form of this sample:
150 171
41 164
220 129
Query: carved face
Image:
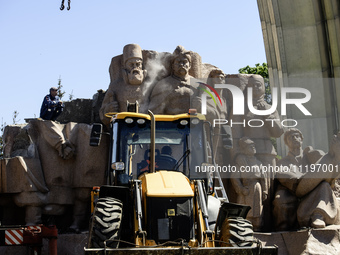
134 71
335 145
181 66
247 147
294 140
250 149
258 87
218 78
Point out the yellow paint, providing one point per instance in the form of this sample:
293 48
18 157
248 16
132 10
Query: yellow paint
123 115
167 184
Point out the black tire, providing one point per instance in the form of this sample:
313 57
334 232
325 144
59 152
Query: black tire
236 232
105 223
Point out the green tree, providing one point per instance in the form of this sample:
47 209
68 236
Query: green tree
71 96
263 71
15 116
60 92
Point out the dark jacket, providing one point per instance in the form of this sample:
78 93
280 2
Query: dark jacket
51 108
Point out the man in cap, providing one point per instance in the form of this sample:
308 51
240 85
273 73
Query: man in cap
51 107
172 94
129 86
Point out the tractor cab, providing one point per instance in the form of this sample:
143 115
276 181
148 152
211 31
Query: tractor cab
180 145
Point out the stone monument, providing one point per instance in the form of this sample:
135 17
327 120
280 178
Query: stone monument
49 167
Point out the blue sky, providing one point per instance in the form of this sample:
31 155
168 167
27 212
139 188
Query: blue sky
39 43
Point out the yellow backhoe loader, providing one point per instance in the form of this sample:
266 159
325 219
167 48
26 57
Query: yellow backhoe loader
159 199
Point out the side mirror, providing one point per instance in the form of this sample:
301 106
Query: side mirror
96 134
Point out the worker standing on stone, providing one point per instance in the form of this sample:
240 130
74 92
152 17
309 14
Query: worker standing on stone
51 107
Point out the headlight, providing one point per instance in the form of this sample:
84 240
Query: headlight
195 121
183 122
128 120
141 121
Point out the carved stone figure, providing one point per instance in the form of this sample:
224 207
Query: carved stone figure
129 85
172 94
70 172
56 171
302 198
217 109
285 201
249 182
261 135
272 127
23 179
319 207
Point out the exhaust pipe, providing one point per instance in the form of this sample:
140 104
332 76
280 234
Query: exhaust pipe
152 142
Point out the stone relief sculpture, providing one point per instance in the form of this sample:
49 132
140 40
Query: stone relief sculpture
22 179
285 201
55 176
129 86
304 198
172 94
265 150
261 135
22 176
250 185
319 207
217 76
55 165
144 76
218 110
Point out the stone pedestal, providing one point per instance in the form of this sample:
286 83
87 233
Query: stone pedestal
307 241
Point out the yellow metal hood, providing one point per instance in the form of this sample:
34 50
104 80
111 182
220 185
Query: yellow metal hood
167 184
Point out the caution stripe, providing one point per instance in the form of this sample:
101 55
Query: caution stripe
14 237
